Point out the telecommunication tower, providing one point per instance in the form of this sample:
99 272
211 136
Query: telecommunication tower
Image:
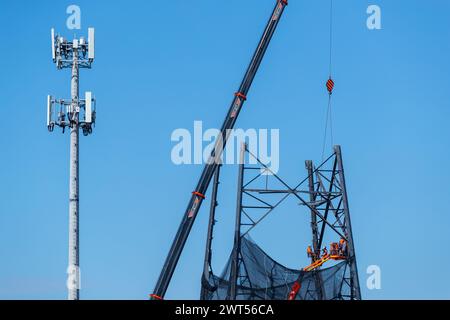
76 114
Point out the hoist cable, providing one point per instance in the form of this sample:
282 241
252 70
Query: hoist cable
330 86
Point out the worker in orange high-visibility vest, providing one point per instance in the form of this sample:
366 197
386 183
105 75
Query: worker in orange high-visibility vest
342 247
334 249
309 252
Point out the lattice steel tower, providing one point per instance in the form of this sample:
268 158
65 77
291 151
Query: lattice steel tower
250 273
75 113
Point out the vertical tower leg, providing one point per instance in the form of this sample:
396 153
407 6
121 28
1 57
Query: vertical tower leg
315 239
212 221
314 228
237 231
354 281
73 281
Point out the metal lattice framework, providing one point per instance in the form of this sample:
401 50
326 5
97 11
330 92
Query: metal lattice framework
322 192
328 195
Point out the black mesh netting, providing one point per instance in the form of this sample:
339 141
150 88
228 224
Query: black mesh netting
262 278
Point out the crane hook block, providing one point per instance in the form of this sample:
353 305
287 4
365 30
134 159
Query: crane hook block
330 86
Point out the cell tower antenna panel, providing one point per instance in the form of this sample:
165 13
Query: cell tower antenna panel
198 195
75 114
91 43
88 112
49 110
53 45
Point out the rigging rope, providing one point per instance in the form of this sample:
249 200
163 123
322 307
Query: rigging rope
330 86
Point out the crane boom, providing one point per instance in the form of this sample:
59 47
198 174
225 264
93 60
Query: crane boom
198 195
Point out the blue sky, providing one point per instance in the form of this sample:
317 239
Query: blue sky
161 66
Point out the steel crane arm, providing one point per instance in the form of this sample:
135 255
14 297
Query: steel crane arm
198 195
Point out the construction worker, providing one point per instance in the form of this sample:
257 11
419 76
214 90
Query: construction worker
342 247
334 249
324 251
309 252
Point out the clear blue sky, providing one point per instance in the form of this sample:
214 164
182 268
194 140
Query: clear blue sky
163 64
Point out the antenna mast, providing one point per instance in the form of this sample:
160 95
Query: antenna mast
75 113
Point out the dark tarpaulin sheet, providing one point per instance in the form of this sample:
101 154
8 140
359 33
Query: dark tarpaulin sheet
262 278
